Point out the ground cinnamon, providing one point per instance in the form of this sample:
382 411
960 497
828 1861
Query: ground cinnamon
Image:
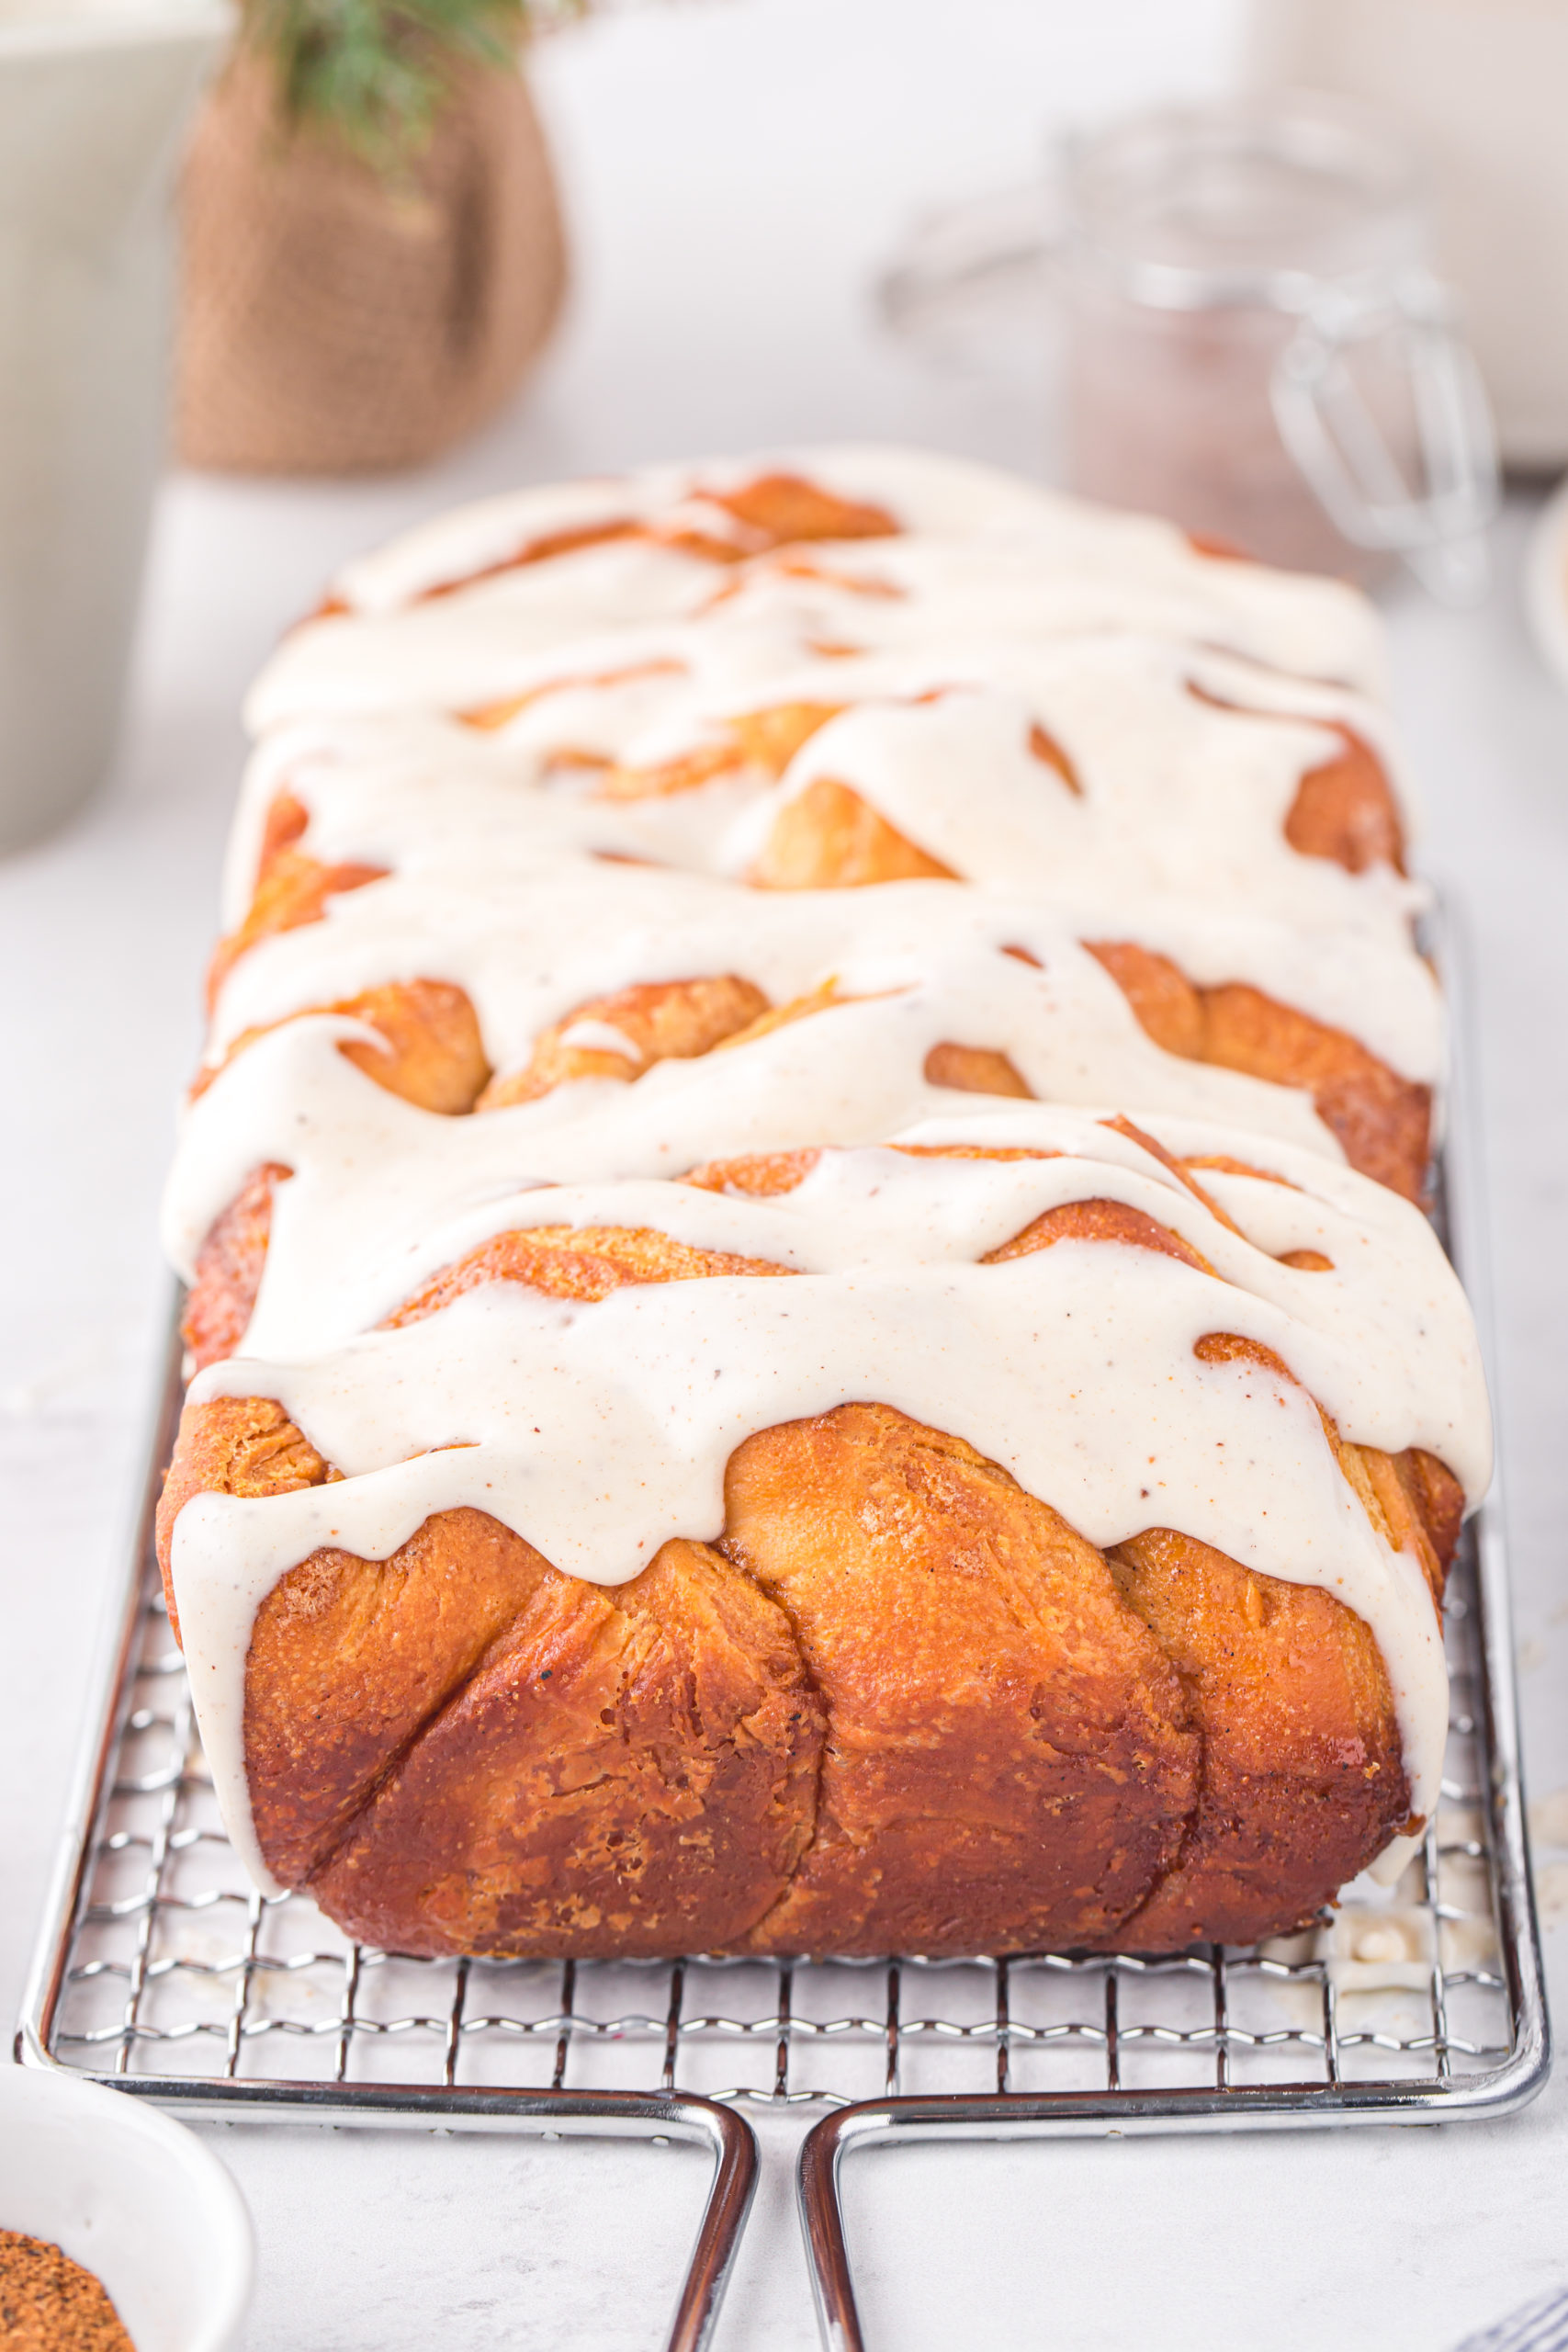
49 2303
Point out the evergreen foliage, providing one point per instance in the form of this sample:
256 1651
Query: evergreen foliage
375 73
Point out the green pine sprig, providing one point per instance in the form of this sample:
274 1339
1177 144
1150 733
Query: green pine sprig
375 74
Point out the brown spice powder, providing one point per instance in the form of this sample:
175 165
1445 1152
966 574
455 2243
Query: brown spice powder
49 2303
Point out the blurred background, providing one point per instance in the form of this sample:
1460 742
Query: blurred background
764 203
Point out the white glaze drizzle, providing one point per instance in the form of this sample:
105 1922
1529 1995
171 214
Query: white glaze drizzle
850 1073
493 639
375 1208
1315 627
1384 1341
1173 793
531 951
598 1431
494 839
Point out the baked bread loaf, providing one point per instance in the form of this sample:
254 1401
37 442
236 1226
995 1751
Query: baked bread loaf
812 1325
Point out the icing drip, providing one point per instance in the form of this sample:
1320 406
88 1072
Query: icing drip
498 845
598 1432
1073 555
1103 734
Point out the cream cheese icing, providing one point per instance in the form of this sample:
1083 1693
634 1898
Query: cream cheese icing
1188 698
1183 770
530 952
1316 627
598 1432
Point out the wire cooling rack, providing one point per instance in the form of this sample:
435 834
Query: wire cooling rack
163 1971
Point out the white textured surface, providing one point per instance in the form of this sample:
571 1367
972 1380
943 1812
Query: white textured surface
736 174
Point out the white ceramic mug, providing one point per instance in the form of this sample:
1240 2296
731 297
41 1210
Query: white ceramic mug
1482 85
94 97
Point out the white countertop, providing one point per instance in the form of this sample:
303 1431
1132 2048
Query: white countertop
734 174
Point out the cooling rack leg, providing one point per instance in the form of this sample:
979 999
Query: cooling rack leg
719 2235
822 2220
657 2116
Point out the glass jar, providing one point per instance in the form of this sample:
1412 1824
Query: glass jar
1251 339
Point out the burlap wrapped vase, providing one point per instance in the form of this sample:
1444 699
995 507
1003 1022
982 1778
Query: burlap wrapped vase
333 322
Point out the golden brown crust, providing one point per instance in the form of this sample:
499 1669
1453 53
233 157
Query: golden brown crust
1168 1005
222 1297
461 1749
777 509
769 738
1047 747
661 1021
1345 809
292 888
762 1174
1180 1169
232 1445
1012 1770
350 1661
1098 1221
784 509
974 1070
628 1769
575 1261
1435 1496
430 1051
686 774
1383 1121
1302 1776
828 838
766 739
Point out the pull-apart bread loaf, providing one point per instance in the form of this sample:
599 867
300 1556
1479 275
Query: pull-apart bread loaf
812 1322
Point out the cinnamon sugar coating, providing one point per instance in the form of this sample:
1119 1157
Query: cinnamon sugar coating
49 2303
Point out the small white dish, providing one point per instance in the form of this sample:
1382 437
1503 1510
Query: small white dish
1546 584
134 2198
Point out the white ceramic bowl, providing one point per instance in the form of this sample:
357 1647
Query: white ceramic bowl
132 2196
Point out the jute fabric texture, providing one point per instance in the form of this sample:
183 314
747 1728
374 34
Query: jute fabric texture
332 324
